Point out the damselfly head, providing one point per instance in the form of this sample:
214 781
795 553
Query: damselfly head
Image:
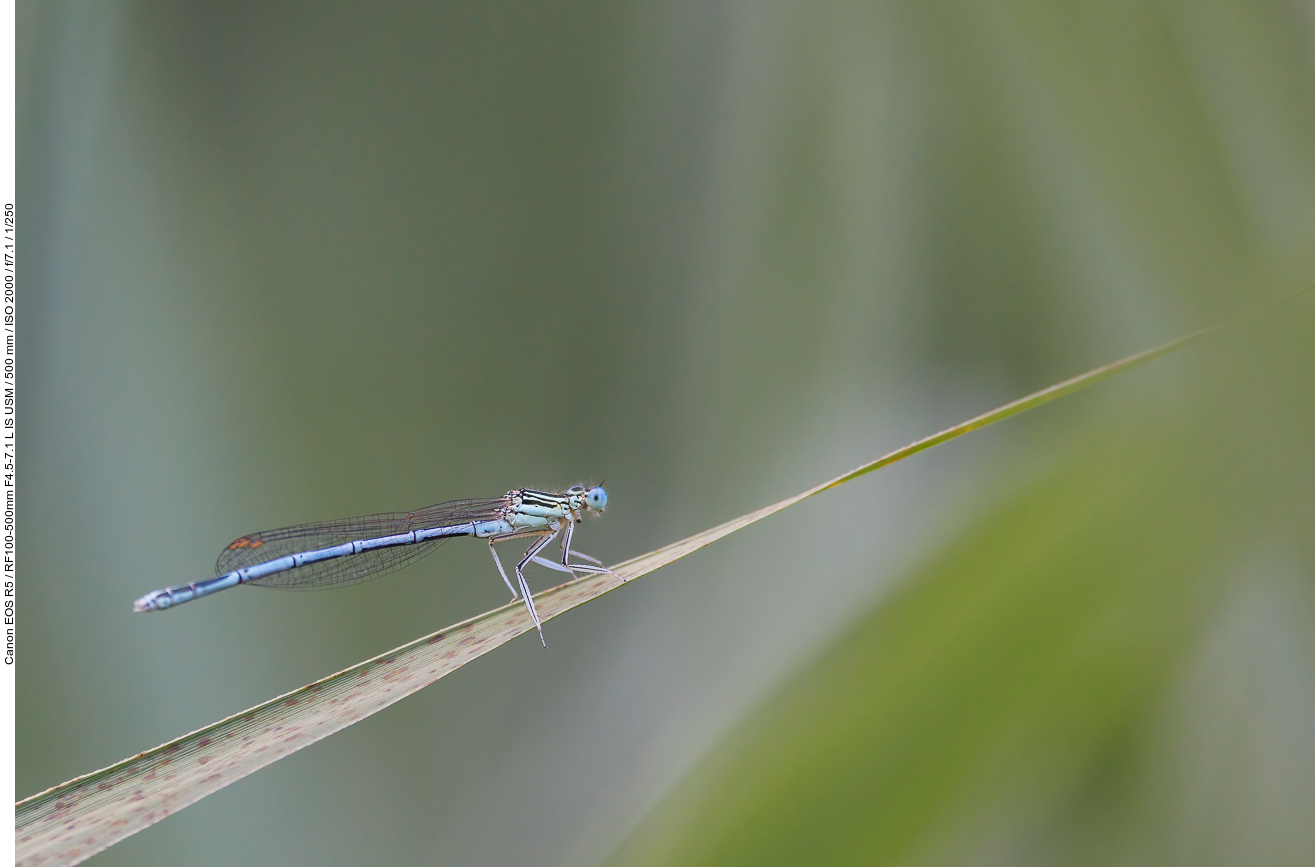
594 499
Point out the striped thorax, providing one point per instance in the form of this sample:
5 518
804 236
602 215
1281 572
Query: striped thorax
528 509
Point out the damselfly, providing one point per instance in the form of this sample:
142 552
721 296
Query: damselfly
336 553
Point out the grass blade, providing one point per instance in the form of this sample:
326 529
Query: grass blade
73 821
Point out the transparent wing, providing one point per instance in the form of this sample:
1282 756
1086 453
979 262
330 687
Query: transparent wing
256 548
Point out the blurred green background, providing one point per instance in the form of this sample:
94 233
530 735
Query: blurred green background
292 261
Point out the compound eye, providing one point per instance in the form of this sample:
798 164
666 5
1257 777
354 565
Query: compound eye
596 499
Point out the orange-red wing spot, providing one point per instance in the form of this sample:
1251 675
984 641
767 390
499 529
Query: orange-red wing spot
257 543
239 543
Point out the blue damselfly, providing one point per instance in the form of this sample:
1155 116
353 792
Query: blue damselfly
337 553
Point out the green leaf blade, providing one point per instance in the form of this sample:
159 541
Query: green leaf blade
70 822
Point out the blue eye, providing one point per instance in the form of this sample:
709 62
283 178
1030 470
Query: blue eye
596 499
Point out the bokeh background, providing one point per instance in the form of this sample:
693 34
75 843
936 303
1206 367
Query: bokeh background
288 261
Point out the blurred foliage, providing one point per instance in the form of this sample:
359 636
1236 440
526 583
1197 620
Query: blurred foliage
285 260
1009 704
